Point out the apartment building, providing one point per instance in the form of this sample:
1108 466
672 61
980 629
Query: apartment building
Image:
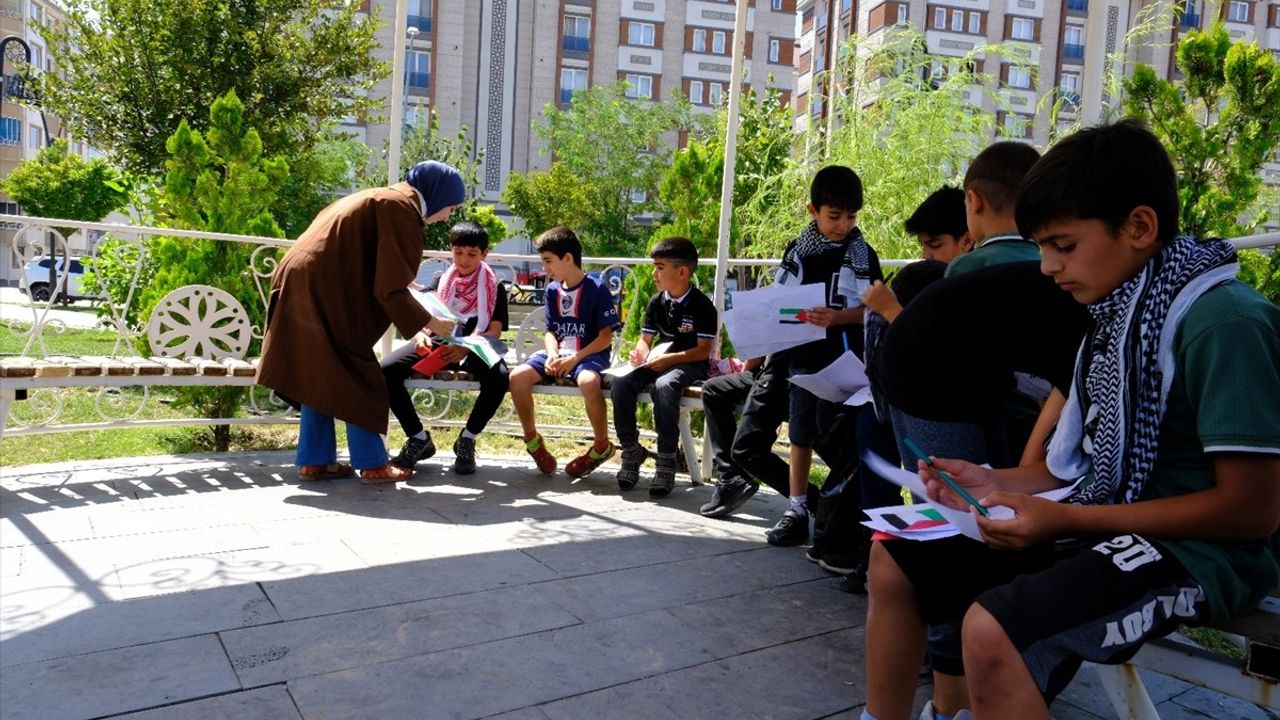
23 132
1071 44
492 65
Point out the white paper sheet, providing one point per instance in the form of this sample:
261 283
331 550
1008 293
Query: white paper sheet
838 382
910 522
626 367
758 325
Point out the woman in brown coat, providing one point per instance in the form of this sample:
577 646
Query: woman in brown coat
333 295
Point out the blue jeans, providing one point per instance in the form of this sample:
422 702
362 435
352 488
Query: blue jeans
318 444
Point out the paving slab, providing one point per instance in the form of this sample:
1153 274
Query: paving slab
493 678
139 622
265 703
312 646
1198 702
117 681
752 621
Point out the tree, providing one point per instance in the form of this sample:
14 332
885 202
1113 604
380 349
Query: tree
59 184
1220 125
423 141
544 200
615 145
129 70
219 182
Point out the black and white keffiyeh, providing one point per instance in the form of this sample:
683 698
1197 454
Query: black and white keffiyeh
1118 397
855 266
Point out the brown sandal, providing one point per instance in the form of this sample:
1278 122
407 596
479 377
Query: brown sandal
386 474
332 471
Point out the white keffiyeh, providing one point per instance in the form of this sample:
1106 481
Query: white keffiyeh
1126 365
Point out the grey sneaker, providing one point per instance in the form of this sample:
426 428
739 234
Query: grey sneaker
413 451
629 473
729 495
464 451
664 480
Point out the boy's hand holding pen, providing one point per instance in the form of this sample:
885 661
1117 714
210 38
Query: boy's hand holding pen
638 357
955 483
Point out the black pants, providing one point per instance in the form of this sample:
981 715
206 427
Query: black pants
666 391
766 406
493 386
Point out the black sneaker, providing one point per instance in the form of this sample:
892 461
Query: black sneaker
855 582
464 452
792 529
629 473
814 553
839 562
730 493
664 479
413 451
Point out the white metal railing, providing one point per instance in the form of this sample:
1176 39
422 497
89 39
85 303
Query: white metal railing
31 239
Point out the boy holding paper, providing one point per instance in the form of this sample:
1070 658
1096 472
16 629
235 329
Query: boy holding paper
471 290
830 251
680 317
581 319
1172 422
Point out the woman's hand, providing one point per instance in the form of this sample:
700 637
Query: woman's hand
455 353
441 327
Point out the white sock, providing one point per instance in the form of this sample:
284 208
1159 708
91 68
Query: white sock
867 716
468 434
421 436
800 503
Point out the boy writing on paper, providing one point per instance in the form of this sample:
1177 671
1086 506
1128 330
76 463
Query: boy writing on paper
581 319
680 316
1172 422
471 290
831 251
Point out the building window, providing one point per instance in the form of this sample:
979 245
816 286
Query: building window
717 42
846 5
34 136
571 80
975 23
902 13
695 92
699 40
776 4
10 132
640 87
417 69
939 18
1022 29
37 13
577 33
1238 11
822 20
715 91
420 15
1019 77
775 50
1069 89
1073 42
957 21
639 33
1015 125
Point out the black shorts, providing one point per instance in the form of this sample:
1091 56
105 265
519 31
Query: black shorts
1061 604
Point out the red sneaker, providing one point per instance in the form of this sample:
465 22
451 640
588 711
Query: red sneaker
584 464
545 461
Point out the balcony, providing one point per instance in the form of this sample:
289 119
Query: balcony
1070 100
421 22
1073 52
1189 20
10 132
418 80
1080 6
573 43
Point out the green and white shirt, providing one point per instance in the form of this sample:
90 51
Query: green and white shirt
995 249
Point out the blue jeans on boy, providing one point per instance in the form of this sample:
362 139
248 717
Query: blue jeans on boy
666 392
318 443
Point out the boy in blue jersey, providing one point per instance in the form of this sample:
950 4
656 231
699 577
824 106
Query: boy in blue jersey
581 318
1171 425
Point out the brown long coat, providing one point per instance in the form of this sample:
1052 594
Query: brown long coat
334 294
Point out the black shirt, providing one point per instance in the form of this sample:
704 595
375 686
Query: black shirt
681 323
952 353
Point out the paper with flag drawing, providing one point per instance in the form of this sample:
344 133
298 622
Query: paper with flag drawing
626 367
768 319
843 381
483 347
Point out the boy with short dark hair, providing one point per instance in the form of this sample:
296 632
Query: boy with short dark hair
1172 422
941 226
681 315
581 319
990 187
831 251
473 292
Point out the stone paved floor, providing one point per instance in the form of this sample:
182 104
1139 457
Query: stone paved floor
218 587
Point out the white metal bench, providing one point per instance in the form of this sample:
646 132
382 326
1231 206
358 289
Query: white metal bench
198 336
1257 680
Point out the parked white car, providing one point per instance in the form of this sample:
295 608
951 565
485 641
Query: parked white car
35 279
429 272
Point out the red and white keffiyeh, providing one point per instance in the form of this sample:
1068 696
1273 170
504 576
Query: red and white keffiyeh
469 296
